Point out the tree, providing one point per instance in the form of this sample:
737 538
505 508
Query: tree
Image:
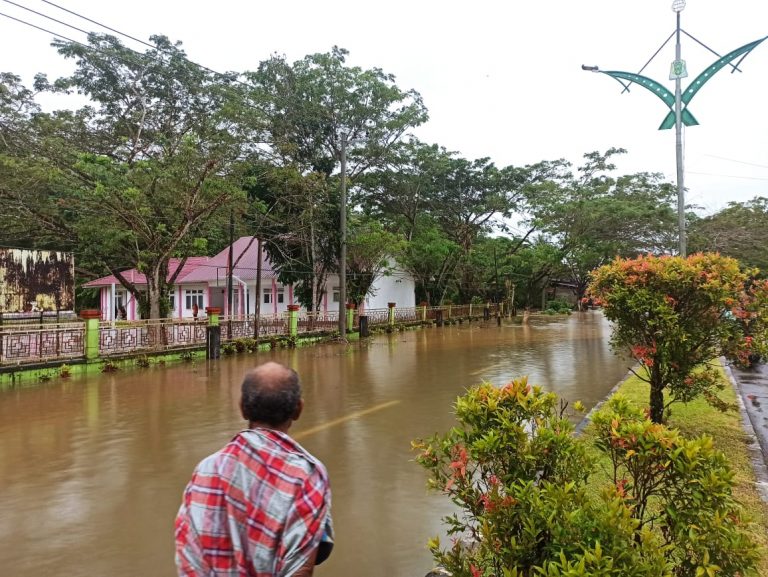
371 252
674 315
739 230
310 105
458 199
132 179
309 108
295 216
593 217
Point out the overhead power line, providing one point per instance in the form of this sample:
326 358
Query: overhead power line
737 161
102 25
125 35
729 175
45 16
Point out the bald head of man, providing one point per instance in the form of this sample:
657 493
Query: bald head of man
271 396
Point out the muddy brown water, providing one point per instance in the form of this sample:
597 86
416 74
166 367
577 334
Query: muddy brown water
92 469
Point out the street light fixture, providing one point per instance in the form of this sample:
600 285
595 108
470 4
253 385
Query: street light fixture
679 114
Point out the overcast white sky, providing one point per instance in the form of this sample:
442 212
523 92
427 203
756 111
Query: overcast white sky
500 79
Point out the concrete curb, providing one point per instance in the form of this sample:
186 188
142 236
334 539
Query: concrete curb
588 417
756 455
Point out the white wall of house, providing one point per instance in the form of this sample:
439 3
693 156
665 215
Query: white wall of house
398 288
274 298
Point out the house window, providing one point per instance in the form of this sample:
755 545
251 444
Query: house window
172 302
336 294
267 296
193 297
280 295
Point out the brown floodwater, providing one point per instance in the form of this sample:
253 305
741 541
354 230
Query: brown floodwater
92 468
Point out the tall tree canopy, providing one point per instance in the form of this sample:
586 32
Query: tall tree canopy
739 230
592 216
130 179
309 107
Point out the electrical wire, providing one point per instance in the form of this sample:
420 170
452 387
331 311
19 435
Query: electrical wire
728 175
88 46
62 37
737 161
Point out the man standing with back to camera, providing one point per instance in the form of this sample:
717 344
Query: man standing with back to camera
259 507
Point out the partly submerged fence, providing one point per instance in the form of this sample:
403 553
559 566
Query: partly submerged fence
42 340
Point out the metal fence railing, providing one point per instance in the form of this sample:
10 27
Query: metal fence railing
377 316
29 340
407 314
122 337
22 345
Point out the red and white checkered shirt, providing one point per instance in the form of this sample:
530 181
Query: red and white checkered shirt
257 508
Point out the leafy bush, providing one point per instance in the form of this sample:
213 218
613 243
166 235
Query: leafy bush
228 348
529 505
558 307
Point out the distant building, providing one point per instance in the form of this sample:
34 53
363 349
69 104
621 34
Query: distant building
203 282
36 280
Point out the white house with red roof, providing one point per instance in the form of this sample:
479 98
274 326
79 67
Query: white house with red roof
202 281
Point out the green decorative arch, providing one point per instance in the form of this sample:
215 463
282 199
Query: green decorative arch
659 90
669 99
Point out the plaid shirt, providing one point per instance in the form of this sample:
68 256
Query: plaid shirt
257 508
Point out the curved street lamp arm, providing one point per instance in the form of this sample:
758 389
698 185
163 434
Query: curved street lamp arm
711 70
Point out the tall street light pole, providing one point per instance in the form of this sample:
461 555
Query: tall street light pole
679 72
679 114
343 248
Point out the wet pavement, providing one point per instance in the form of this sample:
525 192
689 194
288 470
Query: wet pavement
752 384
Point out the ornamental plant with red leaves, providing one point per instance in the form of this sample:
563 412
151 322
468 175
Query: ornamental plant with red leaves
531 501
676 315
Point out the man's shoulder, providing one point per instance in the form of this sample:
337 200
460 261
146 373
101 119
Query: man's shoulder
264 448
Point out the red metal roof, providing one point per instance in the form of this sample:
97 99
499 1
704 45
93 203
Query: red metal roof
245 258
136 277
203 269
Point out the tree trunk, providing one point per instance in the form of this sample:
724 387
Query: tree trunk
154 294
657 404
657 395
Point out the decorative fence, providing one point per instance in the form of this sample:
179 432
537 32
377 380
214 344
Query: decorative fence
122 337
39 339
22 345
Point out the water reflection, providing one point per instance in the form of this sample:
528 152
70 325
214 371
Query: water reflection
92 469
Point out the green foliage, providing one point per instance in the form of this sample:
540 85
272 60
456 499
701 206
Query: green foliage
372 252
679 488
109 366
593 216
674 315
132 179
737 231
228 348
527 504
558 307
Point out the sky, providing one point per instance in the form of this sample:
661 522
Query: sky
500 79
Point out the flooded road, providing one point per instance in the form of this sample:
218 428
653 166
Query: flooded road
92 469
